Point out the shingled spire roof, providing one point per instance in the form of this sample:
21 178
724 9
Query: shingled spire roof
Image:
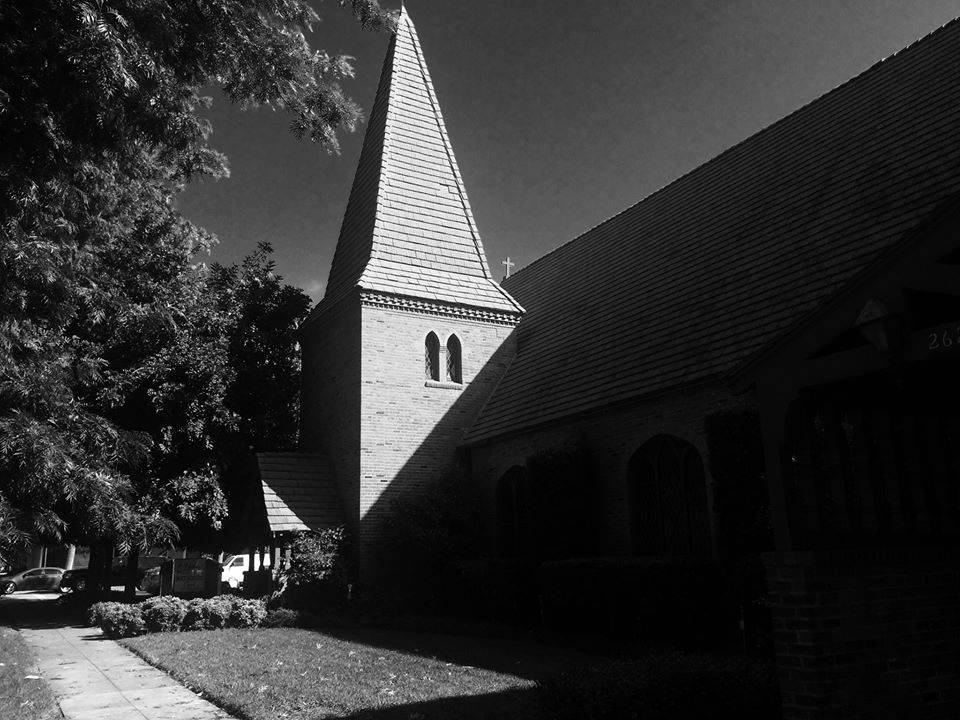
408 229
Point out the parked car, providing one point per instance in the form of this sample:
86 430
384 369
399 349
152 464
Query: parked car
234 566
151 581
46 578
77 579
231 575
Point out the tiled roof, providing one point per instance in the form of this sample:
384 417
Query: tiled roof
697 278
299 492
408 229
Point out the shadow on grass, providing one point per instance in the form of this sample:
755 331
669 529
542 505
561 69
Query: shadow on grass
526 659
40 611
51 609
512 704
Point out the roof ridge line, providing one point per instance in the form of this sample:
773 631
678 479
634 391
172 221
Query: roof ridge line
739 143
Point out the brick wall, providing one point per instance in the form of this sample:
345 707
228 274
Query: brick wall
611 437
330 398
867 633
410 428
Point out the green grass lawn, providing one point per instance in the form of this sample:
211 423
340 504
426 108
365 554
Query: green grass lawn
292 673
23 694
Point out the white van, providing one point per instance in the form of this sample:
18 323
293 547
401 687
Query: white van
235 565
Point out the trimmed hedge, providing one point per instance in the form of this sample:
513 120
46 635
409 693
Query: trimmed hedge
283 617
208 614
163 614
170 614
675 601
665 686
117 619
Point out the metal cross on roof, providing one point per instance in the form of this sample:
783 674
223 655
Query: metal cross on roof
509 264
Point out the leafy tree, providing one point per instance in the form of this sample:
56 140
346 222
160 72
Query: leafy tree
262 348
115 365
319 572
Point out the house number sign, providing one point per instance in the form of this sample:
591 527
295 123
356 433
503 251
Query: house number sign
943 338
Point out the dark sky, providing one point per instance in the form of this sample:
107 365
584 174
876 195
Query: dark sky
561 112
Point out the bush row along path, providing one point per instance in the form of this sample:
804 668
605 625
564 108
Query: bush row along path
96 679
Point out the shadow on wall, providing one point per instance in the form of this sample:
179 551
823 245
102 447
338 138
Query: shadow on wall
448 565
416 472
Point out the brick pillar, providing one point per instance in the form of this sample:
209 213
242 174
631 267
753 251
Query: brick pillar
867 633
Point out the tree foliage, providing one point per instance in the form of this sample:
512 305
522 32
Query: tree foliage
264 314
319 572
115 356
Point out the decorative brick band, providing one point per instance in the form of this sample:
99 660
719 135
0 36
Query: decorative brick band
464 312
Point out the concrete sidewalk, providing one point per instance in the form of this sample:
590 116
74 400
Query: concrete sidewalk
96 679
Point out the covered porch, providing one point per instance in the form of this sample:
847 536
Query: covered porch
292 493
860 409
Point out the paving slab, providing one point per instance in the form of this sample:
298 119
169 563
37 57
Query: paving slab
94 678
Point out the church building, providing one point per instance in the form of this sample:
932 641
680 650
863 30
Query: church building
808 277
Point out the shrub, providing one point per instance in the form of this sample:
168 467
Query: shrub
319 571
96 612
223 611
281 617
637 599
163 614
210 614
246 613
285 617
168 613
664 686
319 557
119 620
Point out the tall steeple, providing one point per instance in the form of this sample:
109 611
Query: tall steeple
413 333
408 230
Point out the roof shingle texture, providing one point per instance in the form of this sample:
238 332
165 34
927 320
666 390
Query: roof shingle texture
408 229
700 276
299 492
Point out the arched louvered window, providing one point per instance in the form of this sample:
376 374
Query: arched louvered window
668 502
454 370
432 357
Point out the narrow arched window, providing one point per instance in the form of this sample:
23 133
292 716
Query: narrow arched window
667 493
454 370
432 357
513 512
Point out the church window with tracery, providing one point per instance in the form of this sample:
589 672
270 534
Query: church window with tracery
454 369
667 494
432 357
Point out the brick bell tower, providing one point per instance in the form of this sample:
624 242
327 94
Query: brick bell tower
412 332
